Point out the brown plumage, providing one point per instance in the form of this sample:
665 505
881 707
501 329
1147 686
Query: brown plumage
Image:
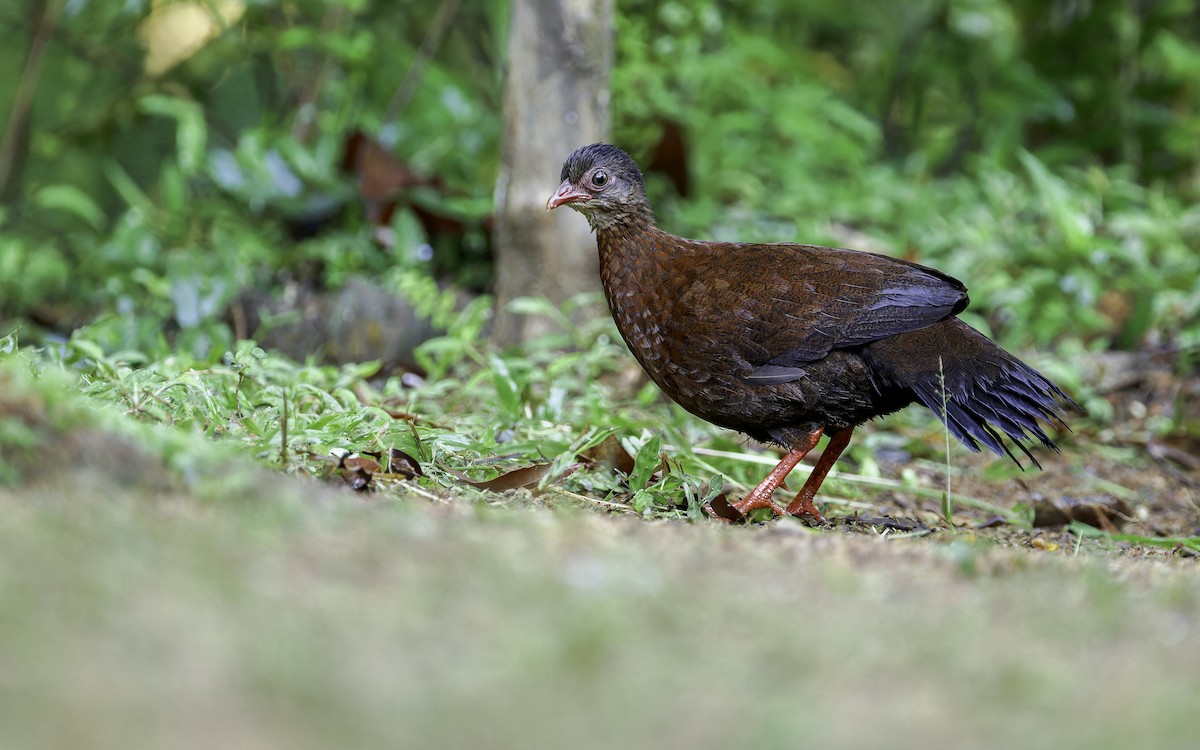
785 342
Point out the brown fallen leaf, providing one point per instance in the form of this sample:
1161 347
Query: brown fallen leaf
361 463
382 176
403 464
526 476
720 507
1185 453
407 416
611 453
669 157
359 480
992 522
1101 511
356 471
385 181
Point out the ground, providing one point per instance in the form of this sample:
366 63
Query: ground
156 591
1137 474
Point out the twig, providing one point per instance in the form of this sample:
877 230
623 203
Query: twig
16 132
429 46
283 425
416 489
622 507
947 501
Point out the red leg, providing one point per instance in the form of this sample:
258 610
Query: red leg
760 496
802 505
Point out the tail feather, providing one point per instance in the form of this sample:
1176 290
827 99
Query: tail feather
989 394
972 423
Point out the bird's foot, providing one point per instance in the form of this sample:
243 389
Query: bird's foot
735 512
803 507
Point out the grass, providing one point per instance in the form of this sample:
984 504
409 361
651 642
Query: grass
947 498
551 410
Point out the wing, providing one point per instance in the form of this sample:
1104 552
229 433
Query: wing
797 303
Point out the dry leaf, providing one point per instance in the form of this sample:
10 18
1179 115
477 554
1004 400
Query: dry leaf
992 522
526 476
1101 511
356 471
359 480
894 524
720 507
611 453
403 464
361 463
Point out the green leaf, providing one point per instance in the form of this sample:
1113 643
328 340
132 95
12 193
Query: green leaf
86 348
645 463
128 189
642 501
191 133
508 391
72 200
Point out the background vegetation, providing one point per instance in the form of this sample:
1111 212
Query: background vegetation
1043 151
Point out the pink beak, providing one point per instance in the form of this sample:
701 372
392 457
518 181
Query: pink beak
567 193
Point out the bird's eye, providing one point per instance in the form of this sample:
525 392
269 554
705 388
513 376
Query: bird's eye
599 178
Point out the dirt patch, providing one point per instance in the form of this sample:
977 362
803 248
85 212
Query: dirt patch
1144 461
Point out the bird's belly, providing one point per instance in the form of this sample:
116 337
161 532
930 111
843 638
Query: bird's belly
658 347
836 392
705 382
649 344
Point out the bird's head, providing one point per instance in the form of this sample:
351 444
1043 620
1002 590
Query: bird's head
603 183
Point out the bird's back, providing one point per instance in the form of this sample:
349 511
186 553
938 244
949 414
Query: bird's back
705 320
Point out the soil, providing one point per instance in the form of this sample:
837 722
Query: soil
1139 474
1132 468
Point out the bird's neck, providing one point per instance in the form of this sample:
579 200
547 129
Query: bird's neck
630 218
624 245
639 269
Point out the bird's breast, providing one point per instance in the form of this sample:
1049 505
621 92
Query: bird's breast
640 324
649 304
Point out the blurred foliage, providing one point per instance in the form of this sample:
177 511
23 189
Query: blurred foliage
143 205
1042 151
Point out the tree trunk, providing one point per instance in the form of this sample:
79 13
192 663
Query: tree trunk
555 100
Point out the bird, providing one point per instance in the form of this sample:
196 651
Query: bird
787 342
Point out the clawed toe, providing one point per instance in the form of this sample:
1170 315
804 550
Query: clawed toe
810 515
803 507
721 508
